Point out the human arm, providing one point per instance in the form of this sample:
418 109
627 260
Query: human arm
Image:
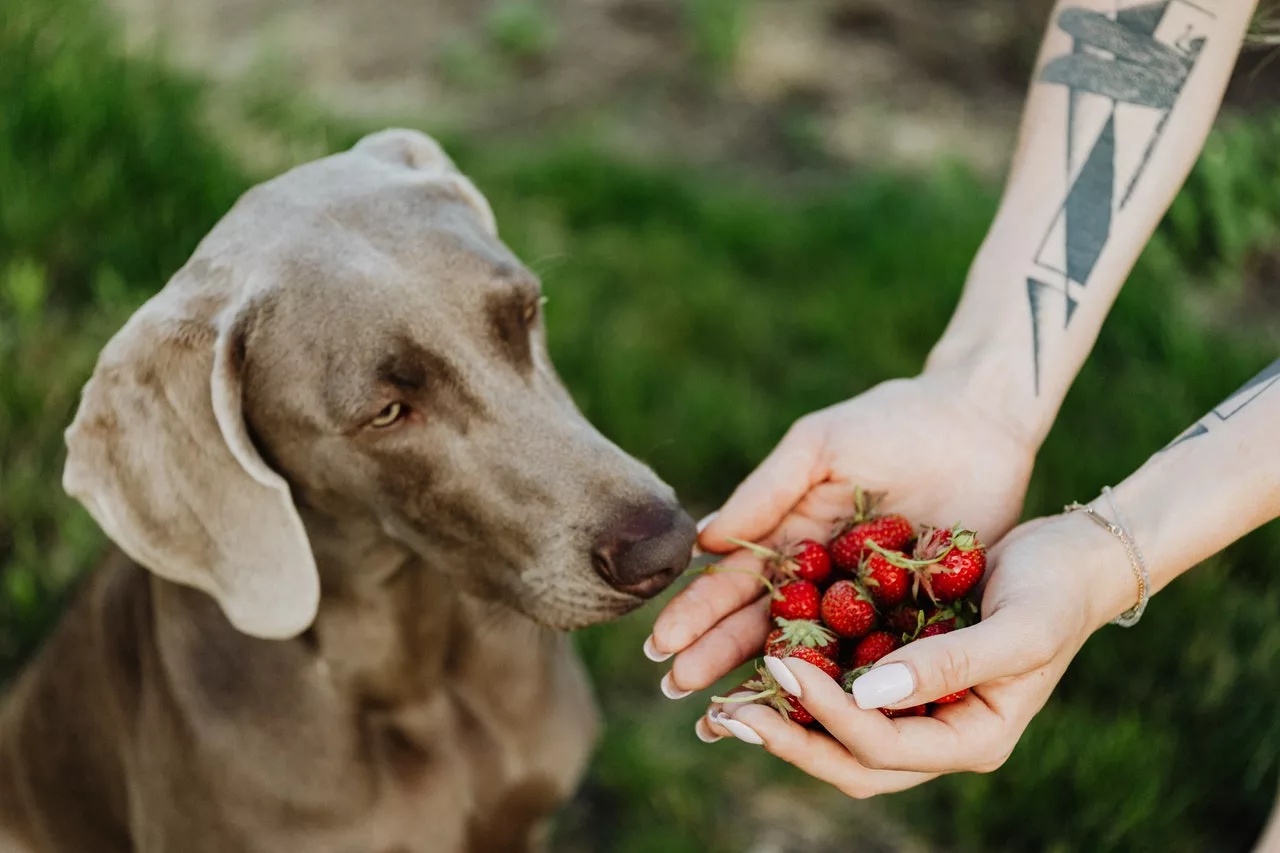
1052 583
958 441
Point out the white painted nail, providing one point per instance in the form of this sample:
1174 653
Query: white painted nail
652 653
670 690
703 730
741 731
702 525
883 686
786 678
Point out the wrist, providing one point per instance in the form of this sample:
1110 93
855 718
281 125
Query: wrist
986 367
1108 582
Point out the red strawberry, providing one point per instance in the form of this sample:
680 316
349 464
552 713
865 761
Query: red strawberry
874 646
935 629
905 619
847 609
951 563
795 600
801 632
952 697
812 656
769 691
808 561
849 548
797 712
913 711
886 582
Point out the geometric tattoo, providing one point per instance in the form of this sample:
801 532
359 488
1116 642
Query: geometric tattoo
1123 75
1233 405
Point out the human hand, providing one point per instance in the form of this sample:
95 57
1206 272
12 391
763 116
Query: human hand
930 443
1050 584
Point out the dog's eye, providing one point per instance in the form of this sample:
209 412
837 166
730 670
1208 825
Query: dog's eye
530 313
388 416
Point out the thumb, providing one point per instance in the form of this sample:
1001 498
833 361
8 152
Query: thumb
1001 646
762 500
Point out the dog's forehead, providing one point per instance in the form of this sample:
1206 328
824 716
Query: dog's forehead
350 255
357 227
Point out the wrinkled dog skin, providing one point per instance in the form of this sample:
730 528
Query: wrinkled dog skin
353 505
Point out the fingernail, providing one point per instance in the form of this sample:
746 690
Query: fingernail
652 653
741 731
670 690
785 677
703 730
882 686
702 525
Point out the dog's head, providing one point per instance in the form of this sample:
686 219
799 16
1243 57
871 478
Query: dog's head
353 339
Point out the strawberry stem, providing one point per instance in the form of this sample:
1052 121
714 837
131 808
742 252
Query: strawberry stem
759 550
716 568
902 561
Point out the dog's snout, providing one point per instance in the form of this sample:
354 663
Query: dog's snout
645 549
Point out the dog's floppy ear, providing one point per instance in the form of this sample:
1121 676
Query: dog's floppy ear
160 455
420 152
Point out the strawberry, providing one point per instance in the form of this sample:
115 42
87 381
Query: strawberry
800 632
795 600
873 647
812 656
769 691
849 547
847 609
934 629
797 712
886 582
952 697
959 571
808 560
905 619
913 711
947 563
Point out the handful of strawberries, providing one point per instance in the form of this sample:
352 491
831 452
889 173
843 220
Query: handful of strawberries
876 585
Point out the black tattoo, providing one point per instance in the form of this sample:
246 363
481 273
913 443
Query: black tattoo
1233 405
1123 76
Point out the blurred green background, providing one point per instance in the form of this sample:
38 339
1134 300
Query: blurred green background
722 254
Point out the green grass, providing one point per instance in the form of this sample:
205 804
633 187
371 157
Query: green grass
695 316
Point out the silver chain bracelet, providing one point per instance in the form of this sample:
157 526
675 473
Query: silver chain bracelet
1121 531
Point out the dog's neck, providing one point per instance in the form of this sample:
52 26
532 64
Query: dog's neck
397 625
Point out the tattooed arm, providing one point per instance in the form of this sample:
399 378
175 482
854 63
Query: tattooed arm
1122 101
1123 97
1052 583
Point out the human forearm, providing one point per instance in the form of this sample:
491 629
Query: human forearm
1213 484
1107 140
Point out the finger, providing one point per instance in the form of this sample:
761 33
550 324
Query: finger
703 729
968 739
1000 646
701 526
815 753
729 586
734 641
711 717
762 500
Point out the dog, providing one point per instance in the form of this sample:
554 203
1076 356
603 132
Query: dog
355 511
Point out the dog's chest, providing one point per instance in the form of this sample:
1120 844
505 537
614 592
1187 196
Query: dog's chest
480 763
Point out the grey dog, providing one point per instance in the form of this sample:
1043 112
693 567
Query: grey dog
354 509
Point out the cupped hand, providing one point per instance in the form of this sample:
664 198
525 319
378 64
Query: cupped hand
930 444
1050 585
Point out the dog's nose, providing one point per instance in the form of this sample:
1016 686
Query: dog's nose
645 549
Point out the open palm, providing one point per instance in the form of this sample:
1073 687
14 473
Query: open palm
939 457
